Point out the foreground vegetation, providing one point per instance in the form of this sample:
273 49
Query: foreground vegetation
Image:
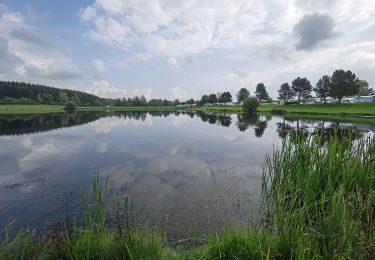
318 202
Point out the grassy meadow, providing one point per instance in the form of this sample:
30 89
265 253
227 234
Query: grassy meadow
30 109
44 109
354 109
318 203
361 109
323 109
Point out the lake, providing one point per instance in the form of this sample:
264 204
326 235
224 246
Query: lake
192 171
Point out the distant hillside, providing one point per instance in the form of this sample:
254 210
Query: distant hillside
25 93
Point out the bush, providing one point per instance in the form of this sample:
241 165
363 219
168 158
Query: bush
292 103
70 105
250 104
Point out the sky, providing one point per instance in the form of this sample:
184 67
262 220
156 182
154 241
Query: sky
183 49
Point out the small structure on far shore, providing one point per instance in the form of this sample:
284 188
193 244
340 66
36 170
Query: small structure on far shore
366 99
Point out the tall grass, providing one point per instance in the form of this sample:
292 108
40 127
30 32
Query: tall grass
90 239
318 203
321 200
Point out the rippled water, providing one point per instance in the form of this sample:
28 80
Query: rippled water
195 171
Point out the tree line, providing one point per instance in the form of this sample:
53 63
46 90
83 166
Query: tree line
12 92
141 101
341 84
27 93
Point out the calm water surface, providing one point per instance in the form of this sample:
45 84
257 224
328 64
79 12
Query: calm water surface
194 171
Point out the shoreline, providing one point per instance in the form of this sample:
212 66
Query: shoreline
358 111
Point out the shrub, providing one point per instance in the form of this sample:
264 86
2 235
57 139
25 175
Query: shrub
250 104
70 105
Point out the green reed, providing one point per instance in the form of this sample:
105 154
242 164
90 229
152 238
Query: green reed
319 199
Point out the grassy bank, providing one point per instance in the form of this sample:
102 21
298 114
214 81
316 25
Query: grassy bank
356 109
234 109
141 108
318 203
360 109
44 109
30 109
330 118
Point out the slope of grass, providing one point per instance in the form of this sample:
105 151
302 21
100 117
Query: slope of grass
330 118
333 109
220 108
30 109
44 109
140 108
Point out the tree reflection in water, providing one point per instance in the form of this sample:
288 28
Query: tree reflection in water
323 130
21 124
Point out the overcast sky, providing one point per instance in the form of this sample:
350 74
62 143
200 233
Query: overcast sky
183 49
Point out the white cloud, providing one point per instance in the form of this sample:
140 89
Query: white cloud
47 150
31 52
172 63
104 126
98 67
141 92
186 27
178 93
102 88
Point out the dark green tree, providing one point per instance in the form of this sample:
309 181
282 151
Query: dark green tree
142 101
285 92
70 106
301 87
212 98
250 104
242 94
190 101
204 100
225 97
63 97
322 87
343 84
261 92
166 102
155 102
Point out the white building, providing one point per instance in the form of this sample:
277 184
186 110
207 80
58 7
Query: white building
366 99
349 100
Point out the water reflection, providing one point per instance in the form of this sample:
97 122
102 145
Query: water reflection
325 130
182 164
18 125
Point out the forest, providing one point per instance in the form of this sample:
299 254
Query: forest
12 92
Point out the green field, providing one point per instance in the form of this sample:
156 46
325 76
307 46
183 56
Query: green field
44 109
356 109
362 109
141 108
234 109
332 109
331 118
30 109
